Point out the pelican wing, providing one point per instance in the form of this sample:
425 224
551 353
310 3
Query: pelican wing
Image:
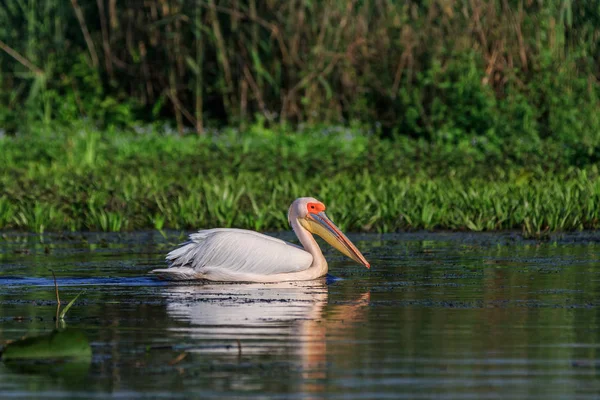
234 251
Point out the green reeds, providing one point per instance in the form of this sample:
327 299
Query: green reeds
441 68
248 181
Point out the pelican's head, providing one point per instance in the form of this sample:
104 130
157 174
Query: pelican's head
310 213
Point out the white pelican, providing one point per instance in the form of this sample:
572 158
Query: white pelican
238 255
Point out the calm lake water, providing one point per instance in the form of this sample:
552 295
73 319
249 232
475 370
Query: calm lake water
441 315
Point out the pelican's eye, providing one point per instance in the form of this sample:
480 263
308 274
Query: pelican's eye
315 208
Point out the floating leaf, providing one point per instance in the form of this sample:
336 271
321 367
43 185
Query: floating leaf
60 344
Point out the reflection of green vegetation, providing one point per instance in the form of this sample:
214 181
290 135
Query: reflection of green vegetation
67 343
73 370
458 311
124 183
63 353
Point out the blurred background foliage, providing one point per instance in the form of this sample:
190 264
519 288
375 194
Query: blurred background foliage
486 71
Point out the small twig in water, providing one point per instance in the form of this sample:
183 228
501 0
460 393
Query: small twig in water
178 358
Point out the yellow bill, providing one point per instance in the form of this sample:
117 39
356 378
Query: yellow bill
320 224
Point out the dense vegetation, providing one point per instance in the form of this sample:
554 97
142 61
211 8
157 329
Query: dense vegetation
450 70
458 114
84 180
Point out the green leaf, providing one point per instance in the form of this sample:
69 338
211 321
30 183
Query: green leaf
68 343
64 311
193 65
326 86
258 66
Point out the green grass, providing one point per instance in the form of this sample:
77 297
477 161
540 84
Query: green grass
87 181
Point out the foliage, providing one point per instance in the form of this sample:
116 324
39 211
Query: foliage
490 71
85 180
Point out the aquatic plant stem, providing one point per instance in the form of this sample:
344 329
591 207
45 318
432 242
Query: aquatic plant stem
56 289
56 318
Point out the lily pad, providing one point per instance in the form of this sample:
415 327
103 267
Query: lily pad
60 344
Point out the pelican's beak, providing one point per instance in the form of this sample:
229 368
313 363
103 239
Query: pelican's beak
319 224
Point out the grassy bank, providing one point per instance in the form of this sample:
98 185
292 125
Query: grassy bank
113 182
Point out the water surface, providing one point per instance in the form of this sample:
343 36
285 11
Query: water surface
444 315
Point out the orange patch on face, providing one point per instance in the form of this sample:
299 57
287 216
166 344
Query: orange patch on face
315 207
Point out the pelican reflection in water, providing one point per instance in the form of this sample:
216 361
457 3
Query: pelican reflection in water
287 319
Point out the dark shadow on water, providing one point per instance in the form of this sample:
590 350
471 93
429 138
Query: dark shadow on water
330 279
118 281
66 281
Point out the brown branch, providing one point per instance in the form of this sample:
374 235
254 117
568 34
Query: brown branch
112 11
222 55
243 102
14 54
478 28
336 57
271 27
255 89
343 23
105 38
398 75
176 104
291 93
199 81
180 108
86 33
56 288
520 40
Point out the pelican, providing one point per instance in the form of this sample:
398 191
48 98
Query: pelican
238 255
